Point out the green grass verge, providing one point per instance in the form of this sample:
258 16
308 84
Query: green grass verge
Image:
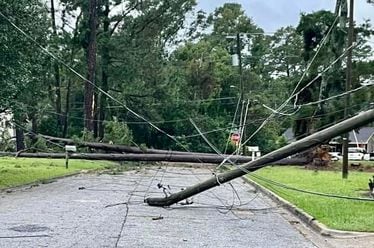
20 171
335 213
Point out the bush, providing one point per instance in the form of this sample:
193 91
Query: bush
117 132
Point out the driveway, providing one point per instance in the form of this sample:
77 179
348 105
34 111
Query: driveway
108 211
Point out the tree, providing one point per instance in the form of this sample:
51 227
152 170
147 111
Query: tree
285 58
137 60
90 45
314 27
23 68
56 69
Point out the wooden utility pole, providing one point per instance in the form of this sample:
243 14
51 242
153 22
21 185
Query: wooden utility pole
240 67
112 147
239 51
180 158
348 84
291 149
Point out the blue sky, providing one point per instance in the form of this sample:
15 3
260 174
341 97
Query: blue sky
273 14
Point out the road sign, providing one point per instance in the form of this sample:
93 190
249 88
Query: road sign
235 137
253 149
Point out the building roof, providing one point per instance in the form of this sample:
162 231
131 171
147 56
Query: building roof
363 135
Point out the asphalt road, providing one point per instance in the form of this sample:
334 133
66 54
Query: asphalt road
108 211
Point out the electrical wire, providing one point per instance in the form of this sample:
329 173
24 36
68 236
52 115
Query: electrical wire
329 195
90 82
294 93
125 106
336 96
59 60
315 55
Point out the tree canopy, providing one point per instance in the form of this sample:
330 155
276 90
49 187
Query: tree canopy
165 65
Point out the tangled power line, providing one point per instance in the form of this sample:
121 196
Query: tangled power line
278 111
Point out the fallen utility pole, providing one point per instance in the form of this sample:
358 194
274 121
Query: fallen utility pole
113 147
293 148
190 158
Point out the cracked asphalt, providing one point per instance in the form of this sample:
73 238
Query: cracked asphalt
90 210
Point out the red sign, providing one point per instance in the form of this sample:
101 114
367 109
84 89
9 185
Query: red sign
235 137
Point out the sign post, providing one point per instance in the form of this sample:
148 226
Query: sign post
68 149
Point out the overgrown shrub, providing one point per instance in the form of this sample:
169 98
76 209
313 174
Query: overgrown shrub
117 132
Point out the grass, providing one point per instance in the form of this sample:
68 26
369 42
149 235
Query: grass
20 171
335 213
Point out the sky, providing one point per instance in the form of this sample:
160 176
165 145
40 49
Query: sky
271 15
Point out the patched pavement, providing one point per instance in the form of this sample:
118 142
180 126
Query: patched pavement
109 211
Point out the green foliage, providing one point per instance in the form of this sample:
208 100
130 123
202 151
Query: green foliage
48 125
314 27
37 144
143 62
22 67
117 132
87 136
231 19
7 143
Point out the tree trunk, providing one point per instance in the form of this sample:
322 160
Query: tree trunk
20 140
89 100
57 81
104 72
95 115
67 109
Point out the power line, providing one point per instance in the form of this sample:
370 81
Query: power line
59 60
337 96
315 55
329 195
293 94
298 107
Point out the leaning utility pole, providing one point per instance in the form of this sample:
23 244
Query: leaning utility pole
293 148
239 53
348 84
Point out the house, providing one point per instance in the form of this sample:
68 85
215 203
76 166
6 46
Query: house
363 138
6 129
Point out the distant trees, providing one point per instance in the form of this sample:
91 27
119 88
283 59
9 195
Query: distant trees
314 28
168 65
